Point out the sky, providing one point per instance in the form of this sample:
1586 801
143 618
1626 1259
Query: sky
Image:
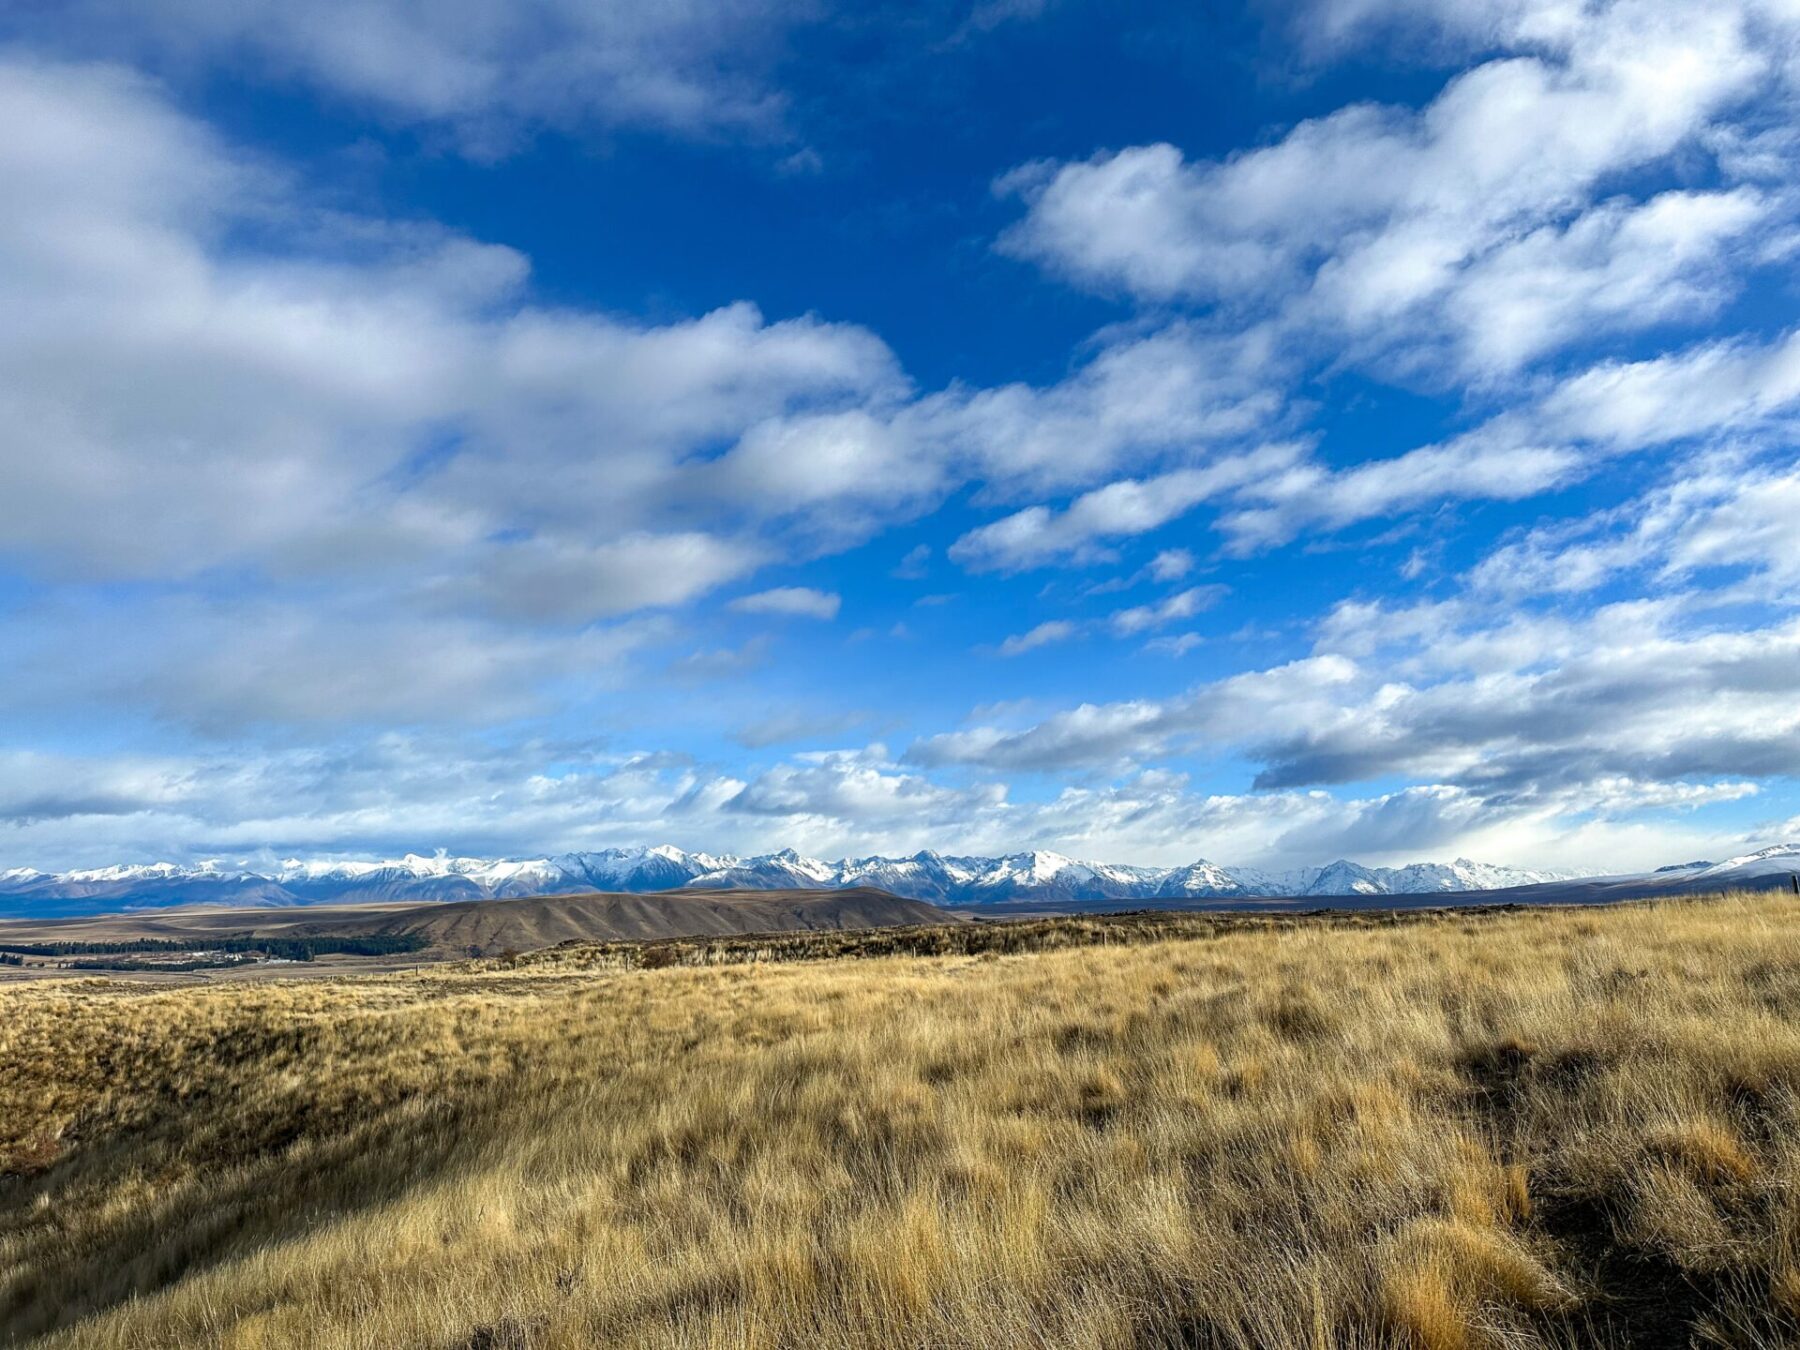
1265 433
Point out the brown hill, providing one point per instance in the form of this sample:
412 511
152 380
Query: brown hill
493 926
545 920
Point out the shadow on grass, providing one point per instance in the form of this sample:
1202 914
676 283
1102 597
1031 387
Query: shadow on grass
211 1197
1637 1296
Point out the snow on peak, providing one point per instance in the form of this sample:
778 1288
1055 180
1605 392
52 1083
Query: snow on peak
132 872
925 875
1775 858
1039 865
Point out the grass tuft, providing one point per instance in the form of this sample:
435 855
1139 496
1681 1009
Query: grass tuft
1453 1131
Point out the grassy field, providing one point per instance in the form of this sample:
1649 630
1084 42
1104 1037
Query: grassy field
1552 1127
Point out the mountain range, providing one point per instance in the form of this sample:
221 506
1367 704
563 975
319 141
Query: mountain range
934 877
1017 878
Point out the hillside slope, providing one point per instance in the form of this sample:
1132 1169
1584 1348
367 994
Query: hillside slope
545 920
488 927
1508 1130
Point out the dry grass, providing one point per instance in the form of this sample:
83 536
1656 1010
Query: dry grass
1562 1128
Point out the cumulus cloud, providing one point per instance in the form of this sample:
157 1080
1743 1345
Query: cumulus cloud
172 405
793 601
273 470
1619 265
858 785
1172 564
1592 714
230 666
1038 535
1172 394
1170 609
572 582
1113 734
372 796
1129 622
1718 512
1475 218
1051 630
1622 711
400 793
1540 201
483 73
365 393
1710 390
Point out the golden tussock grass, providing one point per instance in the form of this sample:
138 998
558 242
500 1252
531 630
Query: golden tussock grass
1545 1128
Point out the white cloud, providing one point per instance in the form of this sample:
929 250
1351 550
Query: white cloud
1464 27
1722 385
1039 535
1601 714
1496 462
1642 708
1181 605
1706 391
1177 644
1717 512
915 565
1051 630
721 663
571 582
400 793
805 724
1173 395
843 473
373 482
1129 622
1619 265
170 405
1476 218
792 601
1542 201
835 788
378 403
1122 733
480 70
1172 564
373 796
226 667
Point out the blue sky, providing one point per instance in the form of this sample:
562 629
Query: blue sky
1270 433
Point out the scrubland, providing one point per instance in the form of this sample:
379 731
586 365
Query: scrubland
1555 1127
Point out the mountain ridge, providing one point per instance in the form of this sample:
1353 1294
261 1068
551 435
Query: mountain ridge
941 879
955 881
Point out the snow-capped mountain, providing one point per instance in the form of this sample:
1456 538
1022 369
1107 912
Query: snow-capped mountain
945 880
1777 860
771 872
1204 878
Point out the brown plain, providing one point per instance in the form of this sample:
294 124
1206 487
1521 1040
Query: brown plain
1572 1127
494 926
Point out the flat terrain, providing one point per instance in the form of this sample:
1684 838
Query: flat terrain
1444 1131
486 927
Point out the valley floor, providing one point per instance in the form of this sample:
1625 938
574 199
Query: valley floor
1506 1129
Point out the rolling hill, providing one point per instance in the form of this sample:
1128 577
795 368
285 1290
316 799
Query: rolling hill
487 927
544 921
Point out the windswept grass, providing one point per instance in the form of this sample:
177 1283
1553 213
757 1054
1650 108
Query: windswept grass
1562 1128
